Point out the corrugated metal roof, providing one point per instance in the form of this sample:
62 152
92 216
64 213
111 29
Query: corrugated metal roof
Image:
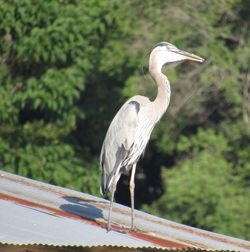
33 212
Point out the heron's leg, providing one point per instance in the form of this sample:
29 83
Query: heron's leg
132 189
111 206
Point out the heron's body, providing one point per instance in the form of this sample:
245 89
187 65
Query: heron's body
130 130
128 135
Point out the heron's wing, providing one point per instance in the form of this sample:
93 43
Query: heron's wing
123 127
119 139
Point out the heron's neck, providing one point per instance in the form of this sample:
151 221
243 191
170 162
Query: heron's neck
162 99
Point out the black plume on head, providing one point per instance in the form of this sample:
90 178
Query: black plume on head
167 45
161 44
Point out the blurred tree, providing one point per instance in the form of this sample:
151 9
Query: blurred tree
203 190
66 67
49 52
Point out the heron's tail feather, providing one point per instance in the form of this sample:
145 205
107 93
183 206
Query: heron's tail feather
104 190
107 180
111 171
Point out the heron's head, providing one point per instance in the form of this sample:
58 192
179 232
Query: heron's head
165 53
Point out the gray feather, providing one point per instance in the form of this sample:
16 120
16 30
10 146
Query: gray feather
119 140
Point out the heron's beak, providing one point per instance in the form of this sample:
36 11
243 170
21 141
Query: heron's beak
190 56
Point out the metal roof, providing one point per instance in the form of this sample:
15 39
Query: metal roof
33 212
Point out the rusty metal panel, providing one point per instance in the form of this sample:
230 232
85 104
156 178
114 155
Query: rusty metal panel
33 212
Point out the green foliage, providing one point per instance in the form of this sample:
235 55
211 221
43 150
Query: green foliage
67 66
203 140
203 192
48 50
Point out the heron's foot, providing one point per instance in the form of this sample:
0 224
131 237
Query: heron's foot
133 227
136 229
108 228
115 226
118 228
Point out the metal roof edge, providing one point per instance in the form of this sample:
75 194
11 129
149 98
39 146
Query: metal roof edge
71 206
117 246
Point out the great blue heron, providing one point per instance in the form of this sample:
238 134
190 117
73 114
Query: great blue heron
129 132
